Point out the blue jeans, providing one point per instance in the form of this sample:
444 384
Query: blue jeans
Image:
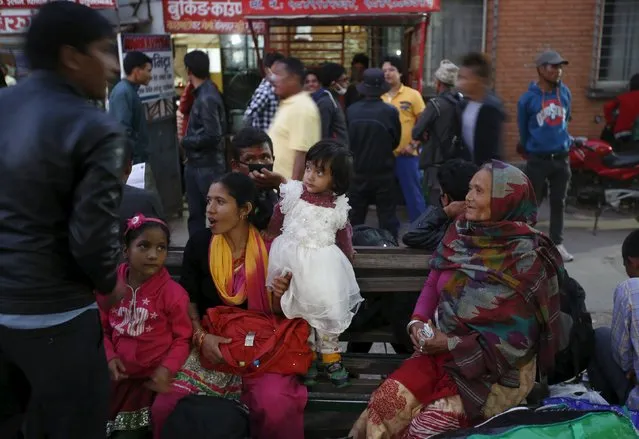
604 373
407 173
197 181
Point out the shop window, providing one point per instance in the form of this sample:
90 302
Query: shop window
453 32
618 49
238 52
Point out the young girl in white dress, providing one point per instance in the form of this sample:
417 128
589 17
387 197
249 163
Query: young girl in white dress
313 243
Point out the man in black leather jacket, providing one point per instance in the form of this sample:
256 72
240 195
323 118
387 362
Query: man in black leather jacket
428 230
204 139
61 162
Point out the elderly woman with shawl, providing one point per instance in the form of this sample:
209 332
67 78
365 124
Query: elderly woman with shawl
492 299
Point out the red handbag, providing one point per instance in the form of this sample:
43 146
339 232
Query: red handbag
260 342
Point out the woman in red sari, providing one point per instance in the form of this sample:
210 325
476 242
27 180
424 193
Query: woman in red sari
226 265
492 299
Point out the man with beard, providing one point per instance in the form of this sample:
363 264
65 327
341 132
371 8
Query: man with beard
542 115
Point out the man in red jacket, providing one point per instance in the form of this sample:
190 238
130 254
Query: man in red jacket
622 112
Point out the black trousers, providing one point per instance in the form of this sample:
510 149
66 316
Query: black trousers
54 382
381 310
380 191
556 172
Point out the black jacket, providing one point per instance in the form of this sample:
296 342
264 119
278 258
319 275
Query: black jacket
488 140
374 131
204 139
61 164
332 116
427 231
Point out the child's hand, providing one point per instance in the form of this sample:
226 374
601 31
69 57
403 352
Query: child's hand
160 381
117 370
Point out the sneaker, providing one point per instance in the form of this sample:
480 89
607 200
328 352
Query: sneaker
310 379
338 374
567 257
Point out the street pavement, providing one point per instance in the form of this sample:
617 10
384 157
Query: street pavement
597 266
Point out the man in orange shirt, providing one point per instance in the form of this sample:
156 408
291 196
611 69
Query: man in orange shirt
410 104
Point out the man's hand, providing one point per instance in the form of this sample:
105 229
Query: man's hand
117 370
265 179
117 294
454 209
160 381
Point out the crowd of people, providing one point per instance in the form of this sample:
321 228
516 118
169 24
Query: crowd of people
97 340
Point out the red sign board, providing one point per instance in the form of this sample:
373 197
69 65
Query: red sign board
15 23
206 17
279 8
35 4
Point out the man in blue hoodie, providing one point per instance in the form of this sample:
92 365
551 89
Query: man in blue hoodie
542 116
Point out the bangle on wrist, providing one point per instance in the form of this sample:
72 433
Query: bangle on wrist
411 323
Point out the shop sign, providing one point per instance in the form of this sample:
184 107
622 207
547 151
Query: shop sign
206 17
277 8
14 22
35 4
159 49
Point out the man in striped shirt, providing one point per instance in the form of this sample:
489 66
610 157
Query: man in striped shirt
614 367
263 105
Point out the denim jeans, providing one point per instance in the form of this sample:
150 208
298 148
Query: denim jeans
408 175
197 181
556 171
57 378
604 373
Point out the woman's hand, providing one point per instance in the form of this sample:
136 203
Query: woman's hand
211 348
281 284
117 370
414 335
437 343
160 381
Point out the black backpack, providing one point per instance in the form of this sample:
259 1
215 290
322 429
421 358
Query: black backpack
451 145
573 360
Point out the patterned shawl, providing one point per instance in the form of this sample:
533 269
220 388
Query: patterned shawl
501 304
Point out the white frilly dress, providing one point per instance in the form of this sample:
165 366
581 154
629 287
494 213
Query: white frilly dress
323 288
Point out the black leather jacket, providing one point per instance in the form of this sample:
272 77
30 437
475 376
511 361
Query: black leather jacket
204 139
61 164
427 231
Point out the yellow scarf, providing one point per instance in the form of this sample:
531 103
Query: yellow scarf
255 269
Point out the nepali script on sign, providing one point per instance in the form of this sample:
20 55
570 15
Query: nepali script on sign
293 7
180 8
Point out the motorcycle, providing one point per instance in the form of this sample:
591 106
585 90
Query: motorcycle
603 177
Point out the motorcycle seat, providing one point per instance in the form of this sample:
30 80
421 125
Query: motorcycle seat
621 160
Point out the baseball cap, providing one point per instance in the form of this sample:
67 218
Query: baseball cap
550 57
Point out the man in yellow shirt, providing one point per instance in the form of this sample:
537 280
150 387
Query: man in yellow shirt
410 104
296 126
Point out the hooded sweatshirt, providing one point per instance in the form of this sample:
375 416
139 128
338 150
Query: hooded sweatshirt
543 120
149 327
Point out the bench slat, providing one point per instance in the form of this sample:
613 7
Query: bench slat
391 284
372 364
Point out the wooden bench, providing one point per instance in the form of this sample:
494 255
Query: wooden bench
379 270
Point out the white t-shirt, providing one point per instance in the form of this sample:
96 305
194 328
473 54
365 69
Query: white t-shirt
469 123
